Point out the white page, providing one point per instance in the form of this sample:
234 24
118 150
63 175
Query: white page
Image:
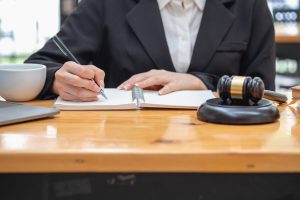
188 99
117 100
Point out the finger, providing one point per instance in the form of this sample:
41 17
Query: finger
87 72
167 89
154 87
83 71
154 77
128 87
79 92
99 75
152 81
71 79
134 79
69 97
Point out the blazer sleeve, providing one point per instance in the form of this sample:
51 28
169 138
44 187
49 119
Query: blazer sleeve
259 59
81 33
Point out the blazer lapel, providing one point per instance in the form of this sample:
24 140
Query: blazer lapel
145 20
216 21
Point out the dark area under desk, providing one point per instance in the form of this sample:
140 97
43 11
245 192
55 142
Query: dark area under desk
149 186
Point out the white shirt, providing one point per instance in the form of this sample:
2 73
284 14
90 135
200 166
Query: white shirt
181 20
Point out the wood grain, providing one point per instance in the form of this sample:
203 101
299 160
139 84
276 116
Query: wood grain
149 141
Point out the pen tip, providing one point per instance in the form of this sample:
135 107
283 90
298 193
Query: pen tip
104 95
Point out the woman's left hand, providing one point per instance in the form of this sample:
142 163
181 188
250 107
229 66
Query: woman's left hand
164 81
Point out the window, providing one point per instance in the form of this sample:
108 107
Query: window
25 26
285 10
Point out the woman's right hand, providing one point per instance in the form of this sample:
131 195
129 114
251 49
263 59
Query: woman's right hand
75 82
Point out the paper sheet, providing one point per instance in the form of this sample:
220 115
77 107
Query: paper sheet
120 99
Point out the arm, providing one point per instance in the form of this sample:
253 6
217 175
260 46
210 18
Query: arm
259 59
82 33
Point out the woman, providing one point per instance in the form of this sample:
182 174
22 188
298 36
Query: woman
166 45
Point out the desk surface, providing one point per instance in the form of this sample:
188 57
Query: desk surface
149 141
287 33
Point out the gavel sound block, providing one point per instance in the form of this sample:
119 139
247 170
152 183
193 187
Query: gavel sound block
241 103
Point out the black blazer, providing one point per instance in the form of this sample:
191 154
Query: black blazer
126 37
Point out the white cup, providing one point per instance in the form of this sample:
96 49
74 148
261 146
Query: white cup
21 82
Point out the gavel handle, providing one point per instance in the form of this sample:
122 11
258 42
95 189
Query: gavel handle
274 96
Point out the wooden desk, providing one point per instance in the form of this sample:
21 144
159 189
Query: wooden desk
287 33
149 141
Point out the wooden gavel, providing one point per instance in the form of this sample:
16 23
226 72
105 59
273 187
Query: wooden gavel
245 89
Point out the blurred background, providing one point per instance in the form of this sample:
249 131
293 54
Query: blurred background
29 26
25 25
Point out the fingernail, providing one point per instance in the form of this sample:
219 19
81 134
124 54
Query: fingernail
96 88
127 86
122 87
160 92
102 84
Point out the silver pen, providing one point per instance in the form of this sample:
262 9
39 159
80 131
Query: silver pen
63 48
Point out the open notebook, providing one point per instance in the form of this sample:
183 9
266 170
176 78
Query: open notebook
138 98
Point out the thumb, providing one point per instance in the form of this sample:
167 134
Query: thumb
167 89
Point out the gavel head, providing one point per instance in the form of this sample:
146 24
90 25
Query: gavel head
240 89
